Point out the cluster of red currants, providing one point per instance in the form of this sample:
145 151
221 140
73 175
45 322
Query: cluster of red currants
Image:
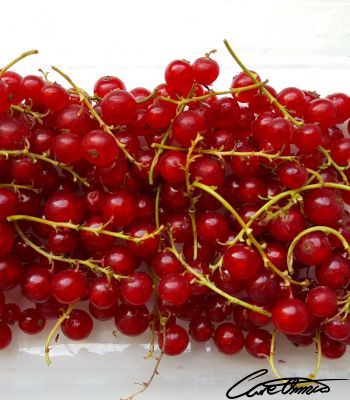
224 210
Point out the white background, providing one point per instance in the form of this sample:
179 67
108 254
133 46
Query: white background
305 43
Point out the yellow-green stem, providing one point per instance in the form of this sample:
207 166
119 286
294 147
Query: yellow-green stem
44 158
325 229
271 98
84 99
58 323
202 280
19 58
73 261
96 231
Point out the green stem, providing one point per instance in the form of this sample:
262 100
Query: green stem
248 231
43 157
58 323
19 58
96 231
272 99
206 282
84 99
73 261
326 229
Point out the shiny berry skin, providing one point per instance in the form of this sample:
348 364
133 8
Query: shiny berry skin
262 288
102 315
321 111
31 321
205 70
313 248
2 302
114 174
144 248
307 138
120 259
119 208
118 107
208 171
173 288
165 262
158 115
241 80
172 166
176 340
36 283
228 338
293 99
132 320
7 238
179 76
8 204
106 84
332 349
201 329
335 272
245 166
285 227
92 241
5 335
212 227
10 272
323 206
99 148
103 294
30 88
322 302
12 134
242 261
74 119
64 141
340 151
338 328
227 113
78 325
186 126
341 102
4 97
137 288
290 316
292 175
41 140
279 132
51 309
64 207
258 342
69 286
54 97
62 242
277 254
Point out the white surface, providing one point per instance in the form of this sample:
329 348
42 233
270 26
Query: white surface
298 42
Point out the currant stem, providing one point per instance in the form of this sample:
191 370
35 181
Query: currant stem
16 60
43 157
326 229
206 282
163 141
73 261
58 323
292 192
219 153
96 231
189 187
272 99
312 375
248 231
331 162
27 111
84 99
17 187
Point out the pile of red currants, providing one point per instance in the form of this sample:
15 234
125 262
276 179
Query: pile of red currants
183 211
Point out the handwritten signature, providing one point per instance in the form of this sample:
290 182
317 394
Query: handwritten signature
286 386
